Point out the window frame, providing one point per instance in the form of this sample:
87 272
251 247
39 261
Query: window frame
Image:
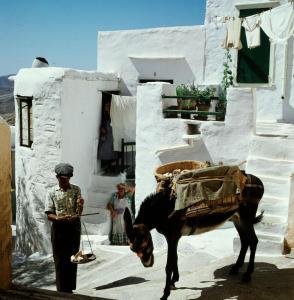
25 102
270 82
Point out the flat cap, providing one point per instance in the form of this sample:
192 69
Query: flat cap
64 169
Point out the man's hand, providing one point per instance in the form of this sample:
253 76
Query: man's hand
66 218
80 205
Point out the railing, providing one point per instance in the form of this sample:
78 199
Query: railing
172 111
128 155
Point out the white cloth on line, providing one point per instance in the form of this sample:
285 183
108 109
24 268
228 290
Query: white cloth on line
233 34
123 119
252 31
278 23
291 89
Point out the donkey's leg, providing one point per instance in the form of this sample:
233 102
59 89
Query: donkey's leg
253 241
244 247
175 276
170 266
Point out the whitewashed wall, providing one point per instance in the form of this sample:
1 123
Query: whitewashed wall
66 116
270 105
187 54
160 53
227 141
34 166
81 117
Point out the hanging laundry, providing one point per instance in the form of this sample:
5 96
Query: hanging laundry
123 119
278 23
252 31
233 34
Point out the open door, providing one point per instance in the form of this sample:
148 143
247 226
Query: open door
253 64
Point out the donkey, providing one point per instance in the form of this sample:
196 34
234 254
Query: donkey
157 211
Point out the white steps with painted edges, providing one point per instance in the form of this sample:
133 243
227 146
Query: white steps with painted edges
275 129
268 244
99 193
271 158
272 147
277 206
102 183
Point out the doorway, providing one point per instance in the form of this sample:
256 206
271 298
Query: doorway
253 64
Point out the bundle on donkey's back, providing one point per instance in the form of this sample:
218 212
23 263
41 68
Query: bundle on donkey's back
219 193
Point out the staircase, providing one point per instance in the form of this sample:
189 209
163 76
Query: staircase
271 158
101 188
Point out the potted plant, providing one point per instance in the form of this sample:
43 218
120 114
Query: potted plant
185 91
204 100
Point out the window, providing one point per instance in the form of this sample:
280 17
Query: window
253 64
25 121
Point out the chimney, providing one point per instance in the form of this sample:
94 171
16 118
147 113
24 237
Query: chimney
40 62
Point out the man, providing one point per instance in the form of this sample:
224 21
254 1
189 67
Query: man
64 206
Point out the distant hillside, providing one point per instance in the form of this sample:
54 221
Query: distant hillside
5 83
7 99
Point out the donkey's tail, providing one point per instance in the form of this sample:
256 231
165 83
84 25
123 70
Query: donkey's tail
258 218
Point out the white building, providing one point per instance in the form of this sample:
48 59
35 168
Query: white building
66 111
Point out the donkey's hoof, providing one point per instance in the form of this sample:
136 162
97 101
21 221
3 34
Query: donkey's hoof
234 270
166 293
246 278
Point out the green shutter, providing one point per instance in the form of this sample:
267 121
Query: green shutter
253 64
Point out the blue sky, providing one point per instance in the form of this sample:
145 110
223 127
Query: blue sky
65 31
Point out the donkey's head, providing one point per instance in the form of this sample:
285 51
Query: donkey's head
140 239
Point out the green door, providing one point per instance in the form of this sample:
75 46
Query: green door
253 64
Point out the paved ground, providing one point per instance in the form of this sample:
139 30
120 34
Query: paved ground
118 274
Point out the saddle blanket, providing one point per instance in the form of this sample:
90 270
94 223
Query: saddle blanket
213 187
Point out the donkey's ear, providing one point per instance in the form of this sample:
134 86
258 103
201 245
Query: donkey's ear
129 225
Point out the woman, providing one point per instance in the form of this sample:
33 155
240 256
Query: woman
119 201
106 154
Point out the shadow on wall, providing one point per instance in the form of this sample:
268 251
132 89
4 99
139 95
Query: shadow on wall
197 152
164 68
124 88
29 238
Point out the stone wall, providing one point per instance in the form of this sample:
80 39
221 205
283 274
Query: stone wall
5 206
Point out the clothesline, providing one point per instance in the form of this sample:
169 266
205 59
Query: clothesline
224 19
277 23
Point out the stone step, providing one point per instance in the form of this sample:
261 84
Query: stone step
267 245
96 224
269 166
275 129
274 206
272 225
101 183
278 187
101 216
98 199
93 241
272 147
